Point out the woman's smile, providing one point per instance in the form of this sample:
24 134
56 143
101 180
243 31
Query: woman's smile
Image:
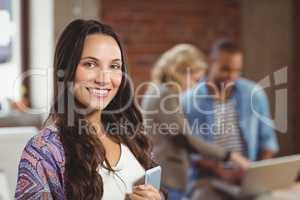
100 93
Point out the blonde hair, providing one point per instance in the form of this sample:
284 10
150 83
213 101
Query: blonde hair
176 62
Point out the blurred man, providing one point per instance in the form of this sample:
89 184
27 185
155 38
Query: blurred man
226 110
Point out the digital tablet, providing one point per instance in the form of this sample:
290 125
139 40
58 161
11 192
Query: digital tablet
153 177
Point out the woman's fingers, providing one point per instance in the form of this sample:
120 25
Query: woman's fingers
147 192
134 196
146 187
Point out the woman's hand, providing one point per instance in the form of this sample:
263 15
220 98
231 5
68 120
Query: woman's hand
144 192
240 160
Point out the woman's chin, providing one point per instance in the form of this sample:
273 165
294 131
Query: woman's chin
98 105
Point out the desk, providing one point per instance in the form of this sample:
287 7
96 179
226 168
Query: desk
291 193
206 190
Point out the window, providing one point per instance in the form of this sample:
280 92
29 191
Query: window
6 31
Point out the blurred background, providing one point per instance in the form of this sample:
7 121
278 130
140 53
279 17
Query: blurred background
267 31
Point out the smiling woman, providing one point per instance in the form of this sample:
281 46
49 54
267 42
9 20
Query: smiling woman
99 72
66 162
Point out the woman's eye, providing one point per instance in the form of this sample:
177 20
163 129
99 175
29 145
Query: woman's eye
90 65
116 66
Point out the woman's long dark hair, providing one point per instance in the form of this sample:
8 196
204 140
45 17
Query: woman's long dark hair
84 151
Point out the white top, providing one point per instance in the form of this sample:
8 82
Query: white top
227 131
128 171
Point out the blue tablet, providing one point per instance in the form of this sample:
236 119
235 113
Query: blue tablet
153 177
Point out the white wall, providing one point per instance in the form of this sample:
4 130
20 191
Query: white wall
42 49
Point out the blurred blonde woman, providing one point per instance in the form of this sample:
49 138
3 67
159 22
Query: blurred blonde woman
177 70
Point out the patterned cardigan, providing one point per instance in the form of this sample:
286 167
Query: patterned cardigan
41 168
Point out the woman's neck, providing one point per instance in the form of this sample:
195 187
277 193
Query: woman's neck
94 117
112 148
94 122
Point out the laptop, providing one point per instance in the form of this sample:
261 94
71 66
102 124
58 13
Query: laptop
12 143
263 177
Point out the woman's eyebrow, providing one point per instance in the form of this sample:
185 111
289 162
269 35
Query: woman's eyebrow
117 59
90 57
97 60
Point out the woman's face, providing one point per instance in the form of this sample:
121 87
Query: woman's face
196 77
99 72
192 79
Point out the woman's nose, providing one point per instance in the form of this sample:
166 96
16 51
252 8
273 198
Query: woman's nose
103 77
